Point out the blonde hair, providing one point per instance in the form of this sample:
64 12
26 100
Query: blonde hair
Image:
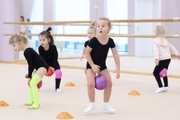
18 37
106 19
93 28
161 31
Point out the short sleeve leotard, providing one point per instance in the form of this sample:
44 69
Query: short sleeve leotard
50 56
34 60
86 43
99 52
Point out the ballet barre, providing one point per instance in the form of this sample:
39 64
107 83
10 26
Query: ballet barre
176 19
111 35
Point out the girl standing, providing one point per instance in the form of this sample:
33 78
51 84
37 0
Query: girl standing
162 55
91 33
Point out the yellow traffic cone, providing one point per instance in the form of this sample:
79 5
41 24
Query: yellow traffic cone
69 84
134 93
64 115
3 103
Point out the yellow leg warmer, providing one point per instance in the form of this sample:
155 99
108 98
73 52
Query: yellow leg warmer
30 102
34 96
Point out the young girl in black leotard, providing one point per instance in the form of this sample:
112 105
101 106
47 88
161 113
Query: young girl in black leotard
96 54
49 53
35 62
90 34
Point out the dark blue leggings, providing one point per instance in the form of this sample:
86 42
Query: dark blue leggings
157 69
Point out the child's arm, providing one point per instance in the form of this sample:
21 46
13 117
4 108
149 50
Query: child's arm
94 67
27 54
156 53
173 50
55 57
83 53
117 61
40 51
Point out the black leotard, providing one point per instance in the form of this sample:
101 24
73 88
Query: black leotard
99 52
86 43
34 60
50 56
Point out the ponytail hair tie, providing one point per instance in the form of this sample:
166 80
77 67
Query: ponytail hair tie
49 29
21 33
93 24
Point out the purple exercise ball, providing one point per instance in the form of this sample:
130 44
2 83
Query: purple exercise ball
100 82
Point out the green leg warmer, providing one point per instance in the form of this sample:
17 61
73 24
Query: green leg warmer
34 97
30 102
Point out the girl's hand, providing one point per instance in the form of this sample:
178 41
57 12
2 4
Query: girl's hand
178 56
26 76
156 62
96 68
52 69
81 58
117 71
28 81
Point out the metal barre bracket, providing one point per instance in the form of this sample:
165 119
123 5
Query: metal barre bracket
175 19
175 36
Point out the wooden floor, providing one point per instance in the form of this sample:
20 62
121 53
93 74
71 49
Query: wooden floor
147 106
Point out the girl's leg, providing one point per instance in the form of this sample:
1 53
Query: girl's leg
90 88
33 86
57 84
107 91
157 69
34 90
85 71
165 79
30 102
58 75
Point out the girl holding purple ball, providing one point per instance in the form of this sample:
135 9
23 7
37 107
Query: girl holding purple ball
96 54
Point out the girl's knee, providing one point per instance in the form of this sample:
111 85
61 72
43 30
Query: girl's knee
32 83
110 83
155 73
91 85
58 73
